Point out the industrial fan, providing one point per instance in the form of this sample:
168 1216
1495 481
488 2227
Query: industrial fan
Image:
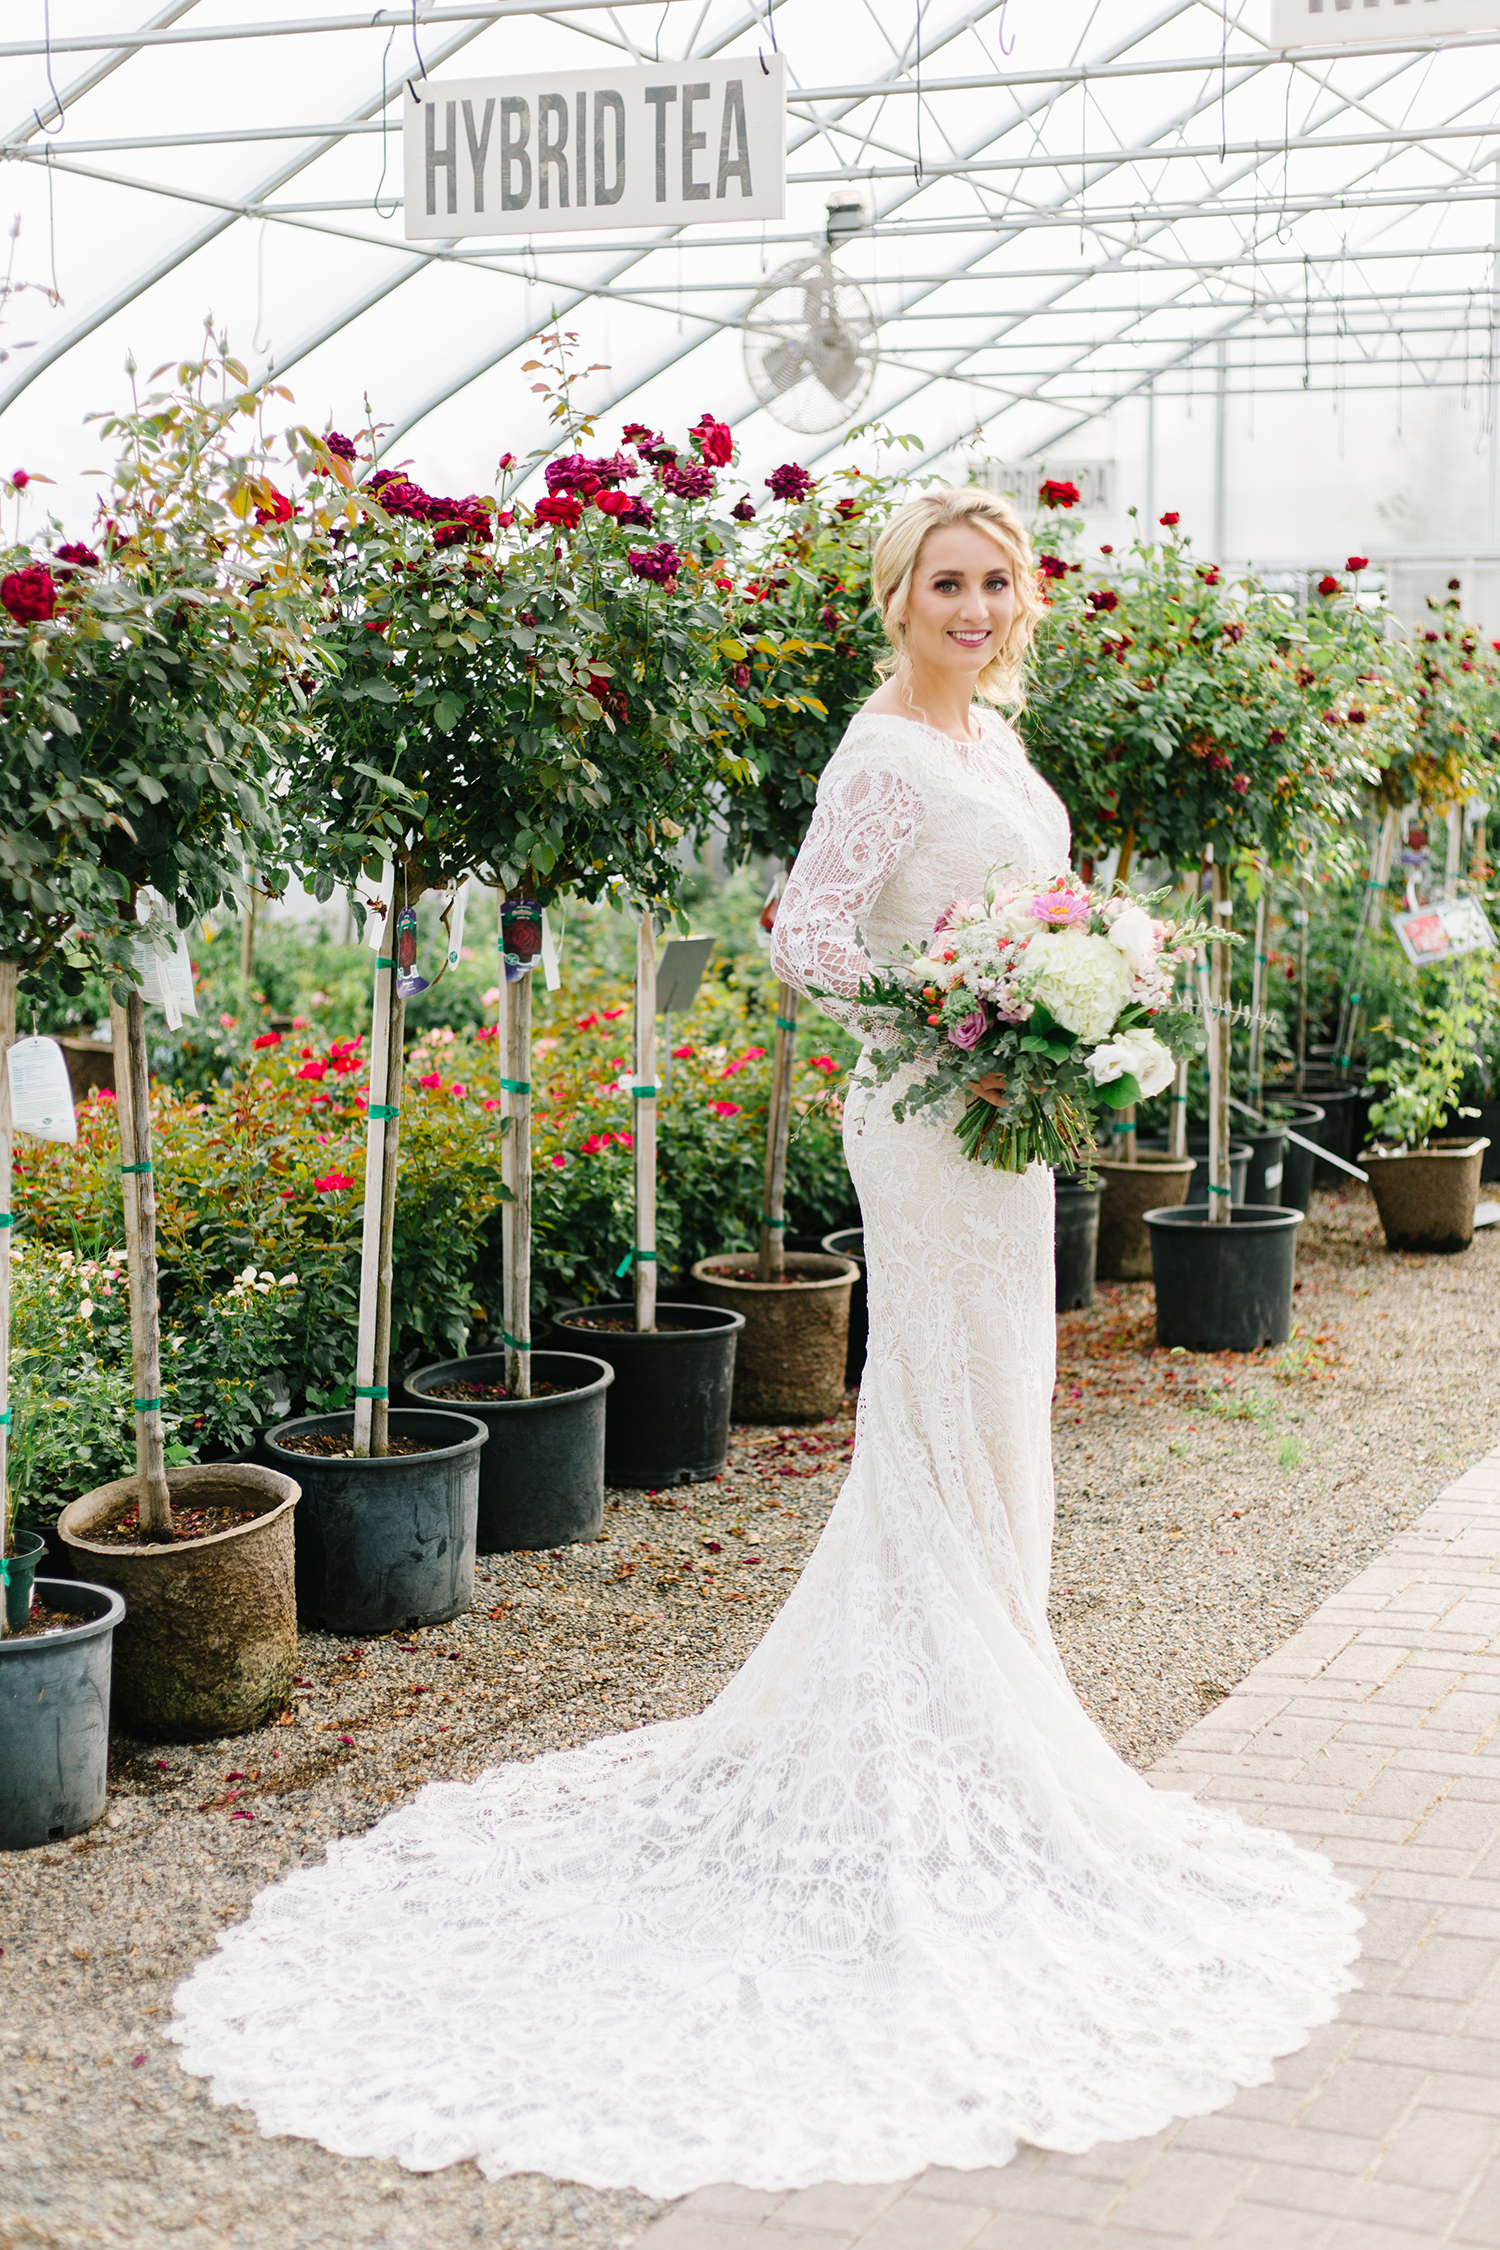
810 351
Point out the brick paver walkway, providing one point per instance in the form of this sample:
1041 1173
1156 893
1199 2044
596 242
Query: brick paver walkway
1374 1734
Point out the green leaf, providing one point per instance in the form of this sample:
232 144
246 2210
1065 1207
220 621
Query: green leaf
1120 1093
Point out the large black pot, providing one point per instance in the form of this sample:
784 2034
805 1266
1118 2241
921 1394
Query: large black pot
1197 1148
667 1417
541 1477
1223 1288
1266 1171
387 1543
54 1719
849 1242
1075 1242
1308 1119
1345 1110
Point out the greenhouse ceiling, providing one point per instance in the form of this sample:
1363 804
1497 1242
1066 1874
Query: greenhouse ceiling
1018 215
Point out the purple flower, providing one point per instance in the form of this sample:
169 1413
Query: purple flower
575 472
339 445
973 1028
659 564
790 482
83 558
690 480
743 510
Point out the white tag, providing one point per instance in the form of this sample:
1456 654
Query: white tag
1273 1175
41 1093
167 980
456 925
377 904
550 969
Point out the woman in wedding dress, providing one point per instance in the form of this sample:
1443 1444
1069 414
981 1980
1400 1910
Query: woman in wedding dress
891 1900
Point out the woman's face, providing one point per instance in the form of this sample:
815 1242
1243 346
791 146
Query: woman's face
962 601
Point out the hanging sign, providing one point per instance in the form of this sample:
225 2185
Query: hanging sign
1346 23
1442 932
671 144
166 979
41 1092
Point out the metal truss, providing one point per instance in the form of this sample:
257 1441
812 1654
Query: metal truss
1298 220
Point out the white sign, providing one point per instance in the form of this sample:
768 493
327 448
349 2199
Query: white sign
668 145
166 979
41 1092
1023 481
1339 23
1438 933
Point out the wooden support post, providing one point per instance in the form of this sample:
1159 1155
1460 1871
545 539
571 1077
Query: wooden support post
365 1378
1177 1124
1255 1074
395 1075
1455 867
515 1171
1220 1199
247 933
1382 853
1303 919
133 1120
643 1123
9 977
778 1133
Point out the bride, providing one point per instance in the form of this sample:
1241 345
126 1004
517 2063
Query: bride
892 1900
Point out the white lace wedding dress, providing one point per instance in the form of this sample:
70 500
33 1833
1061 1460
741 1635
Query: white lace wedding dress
891 1900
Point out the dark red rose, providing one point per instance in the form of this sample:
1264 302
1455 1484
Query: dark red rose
460 523
626 508
83 557
635 431
1357 562
714 441
1275 736
1105 598
1170 519
743 511
339 445
741 675
828 617
1330 585
659 564
30 595
20 478
563 508
1051 566
1241 784
690 480
790 482
846 508
1059 493
280 510
400 497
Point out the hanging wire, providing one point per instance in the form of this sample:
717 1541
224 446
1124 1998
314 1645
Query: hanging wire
256 342
385 122
1223 78
1004 49
52 232
656 55
917 167
1286 153
62 115
771 27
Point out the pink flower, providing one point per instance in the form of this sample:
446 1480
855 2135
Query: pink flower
1060 909
313 1070
725 1109
433 1082
825 1063
953 915
611 1013
461 1091
332 1183
969 1033
227 1023
558 1161
302 1023
493 1102
753 1054
593 1145
682 1054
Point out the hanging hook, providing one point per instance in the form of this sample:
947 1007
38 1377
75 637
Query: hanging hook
62 114
1004 49
771 27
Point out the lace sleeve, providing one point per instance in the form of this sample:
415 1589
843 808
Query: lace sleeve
866 822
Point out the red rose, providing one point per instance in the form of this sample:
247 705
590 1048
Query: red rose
1051 566
30 595
313 1070
1330 585
714 441
1210 575
1171 518
790 482
83 558
280 510
1058 493
332 1183
1357 562
20 478
562 508
266 1039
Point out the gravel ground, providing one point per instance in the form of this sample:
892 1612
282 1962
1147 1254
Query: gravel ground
1206 1505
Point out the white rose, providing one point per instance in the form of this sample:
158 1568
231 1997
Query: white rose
1134 933
1084 981
1140 1053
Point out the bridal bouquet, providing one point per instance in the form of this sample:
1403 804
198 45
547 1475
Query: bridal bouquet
1065 991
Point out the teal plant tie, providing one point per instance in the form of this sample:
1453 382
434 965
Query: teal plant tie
1219 1190
371 1390
385 960
765 1222
515 1085
148 1406
7 1218
786 1023
643 1093
382 1112
137 1167
635 1258
514 1342
5 1572
4 1417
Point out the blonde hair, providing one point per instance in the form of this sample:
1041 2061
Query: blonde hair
898 551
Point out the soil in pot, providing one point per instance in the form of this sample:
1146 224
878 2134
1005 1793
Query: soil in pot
1223 1288
1152 1182
541 1477
789 1364
54 1715
209 1642
667 1418
124 1530
386 1541
338 1445
849 1242
1426 1196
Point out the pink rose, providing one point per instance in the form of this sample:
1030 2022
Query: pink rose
973 1028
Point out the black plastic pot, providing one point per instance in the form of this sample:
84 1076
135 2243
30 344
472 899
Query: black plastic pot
541 1477
849 1242
1266 1170
1197 1148
667 1418
1075 1241
28 1555
1342 1130
54 1719
1223 1288
1311 1122
384 1543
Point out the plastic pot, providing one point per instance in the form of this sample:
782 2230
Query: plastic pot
1197 1147
541 1476
1075 1242
1342 1128
54 1719
849 1242
1265 1174
667 1418
209 1643
789 1363
1223 1288
28 1553
1152 1182
1426 1196
388 1543
1310 1121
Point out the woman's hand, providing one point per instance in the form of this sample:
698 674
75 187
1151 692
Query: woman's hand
989 1088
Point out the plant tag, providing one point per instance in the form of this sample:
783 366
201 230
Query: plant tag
41 1093
550 969
456 925
167 979
408 982
376 900
1273 1175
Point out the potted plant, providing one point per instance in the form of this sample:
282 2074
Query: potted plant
1427 1184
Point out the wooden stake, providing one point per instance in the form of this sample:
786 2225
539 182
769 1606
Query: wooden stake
644 1125
1177 1120
515 1171
1382 852
778 1133
1455 866
369 1254
133 1119
1256 1070
247 934
1220 1199
9 976
395 1077
1303 919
